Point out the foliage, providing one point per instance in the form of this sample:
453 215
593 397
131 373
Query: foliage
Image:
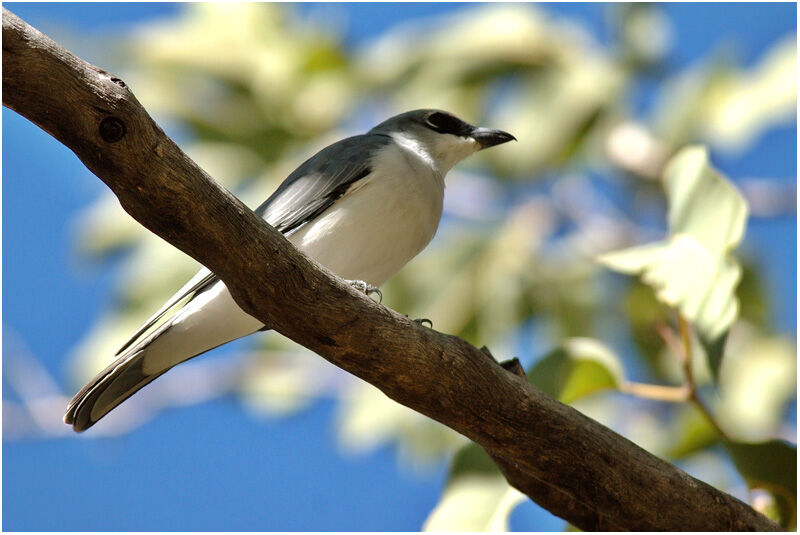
580 367
770 465
513 265
693 270
476 497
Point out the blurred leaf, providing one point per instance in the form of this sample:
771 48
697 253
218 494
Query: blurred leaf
490 71
554 80
691 432
367 419
268 142
580 136
643 312
693 269
282 378
703 203
476 285
322 58
771 466
727 106
476 496
643 32
743 104
758 378
503 267
257 77
703 292
753 296
582 366
104 228
714 350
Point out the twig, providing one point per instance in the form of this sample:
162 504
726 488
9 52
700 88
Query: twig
686 338
682 349
670 394
668 335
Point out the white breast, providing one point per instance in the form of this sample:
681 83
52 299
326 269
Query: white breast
382 222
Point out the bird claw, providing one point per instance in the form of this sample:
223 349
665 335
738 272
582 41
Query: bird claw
367 288
422 321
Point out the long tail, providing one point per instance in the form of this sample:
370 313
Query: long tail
208 321
119 381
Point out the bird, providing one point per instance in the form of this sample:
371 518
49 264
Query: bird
362 207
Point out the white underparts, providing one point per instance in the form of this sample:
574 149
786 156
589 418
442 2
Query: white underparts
381 222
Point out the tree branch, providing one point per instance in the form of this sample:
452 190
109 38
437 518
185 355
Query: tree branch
569 464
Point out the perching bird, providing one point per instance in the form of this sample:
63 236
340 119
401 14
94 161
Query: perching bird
362 207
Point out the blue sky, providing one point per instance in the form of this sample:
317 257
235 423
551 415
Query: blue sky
214 466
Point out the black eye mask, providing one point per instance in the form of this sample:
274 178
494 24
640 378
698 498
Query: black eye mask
445 123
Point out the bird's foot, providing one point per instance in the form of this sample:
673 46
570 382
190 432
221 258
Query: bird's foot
422 321
367 288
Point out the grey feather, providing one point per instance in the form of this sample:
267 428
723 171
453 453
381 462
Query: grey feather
123 378
322 179
125 375
116 383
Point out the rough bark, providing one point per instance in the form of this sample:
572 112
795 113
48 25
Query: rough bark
566 462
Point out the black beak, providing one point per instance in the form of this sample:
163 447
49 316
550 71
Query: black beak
487 137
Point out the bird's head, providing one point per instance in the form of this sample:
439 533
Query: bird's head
442 136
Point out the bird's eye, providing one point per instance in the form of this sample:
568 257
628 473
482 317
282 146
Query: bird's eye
446 124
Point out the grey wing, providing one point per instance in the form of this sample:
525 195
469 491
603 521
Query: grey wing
322 179
310 190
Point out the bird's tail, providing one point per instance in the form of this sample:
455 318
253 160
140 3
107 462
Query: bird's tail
210 320
128 374
119 381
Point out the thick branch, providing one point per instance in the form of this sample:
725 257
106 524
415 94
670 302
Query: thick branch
564 461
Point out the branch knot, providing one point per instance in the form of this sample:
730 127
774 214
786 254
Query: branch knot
112 129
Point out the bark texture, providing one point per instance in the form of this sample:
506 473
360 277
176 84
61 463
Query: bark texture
566 462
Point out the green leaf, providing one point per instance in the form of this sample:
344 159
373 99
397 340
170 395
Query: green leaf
690 433
714 350
771 466
580 367
703 203
693 270
753 296
476 497
642 312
